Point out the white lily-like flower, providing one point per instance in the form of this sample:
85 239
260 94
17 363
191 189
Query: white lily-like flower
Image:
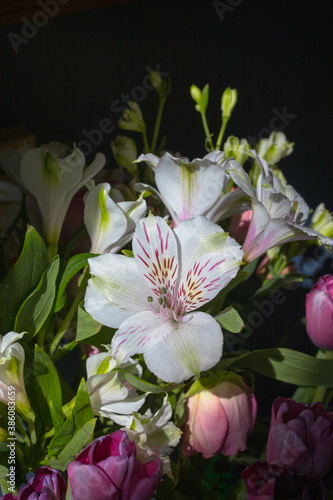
54 181
192 188
110 225
154 435
151 298
11 373
110 395
279 212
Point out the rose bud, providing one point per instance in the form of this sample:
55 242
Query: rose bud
268 482
108 469
220 419
319 312
301 437
46 484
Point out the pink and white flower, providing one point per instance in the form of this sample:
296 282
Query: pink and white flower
279 212
151 298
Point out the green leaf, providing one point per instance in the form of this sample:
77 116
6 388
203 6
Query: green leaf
73 266
37 306
23 278
230 319
285 365
62 438
82 411
144 386
57 420
3 471
75 445
90 331
47 380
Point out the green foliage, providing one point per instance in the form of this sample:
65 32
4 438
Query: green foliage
22 279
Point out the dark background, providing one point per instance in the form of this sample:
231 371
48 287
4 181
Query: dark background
277 54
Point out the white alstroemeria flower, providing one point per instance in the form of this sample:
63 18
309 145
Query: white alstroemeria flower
11 373
151 297
154 435
110 395
192 188
110 225
279 212
54 181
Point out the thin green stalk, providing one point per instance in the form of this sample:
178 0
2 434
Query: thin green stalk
22 431
32 431
71 312
157 124
145 141
52 250
207 132
221 134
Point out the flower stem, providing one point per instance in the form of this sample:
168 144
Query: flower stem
52 250
157 124
221 134
322 393
207 132
145 141
71 312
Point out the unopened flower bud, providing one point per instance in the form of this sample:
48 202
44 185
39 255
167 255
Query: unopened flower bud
322 221
319 312
132 118
228 101
235 148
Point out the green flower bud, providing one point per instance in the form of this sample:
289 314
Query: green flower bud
235 148
125 153
228 101
322 221
274 148
200 97
132 118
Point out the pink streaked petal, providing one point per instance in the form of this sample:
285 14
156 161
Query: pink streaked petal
151 159
116 289
193 345
140 333
155 251
188 189
209 261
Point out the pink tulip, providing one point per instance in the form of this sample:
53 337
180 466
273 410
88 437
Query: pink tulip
108 469
268 482
319 312
8 496
301 438
46 484
219 420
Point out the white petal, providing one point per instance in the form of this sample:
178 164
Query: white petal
105 221
215 156
134 211
139 333
156 254
240 177
228 205
209 260
191 347
149 158
9 339
116 289
188 189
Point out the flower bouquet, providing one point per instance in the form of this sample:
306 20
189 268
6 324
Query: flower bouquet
128 297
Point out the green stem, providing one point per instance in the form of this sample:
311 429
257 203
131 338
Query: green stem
32 431
145 141
157 124
207 132
52 250
71 312
221 134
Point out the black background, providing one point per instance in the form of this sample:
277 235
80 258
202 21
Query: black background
276 53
